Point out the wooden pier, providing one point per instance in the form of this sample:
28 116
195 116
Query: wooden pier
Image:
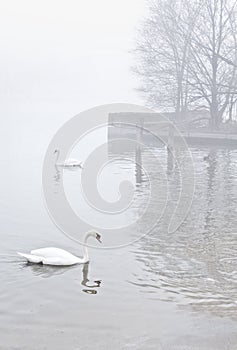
150 126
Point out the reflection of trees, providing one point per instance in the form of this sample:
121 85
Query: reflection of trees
220 190
170 161
138 165
209 219
211 160
191 266
181 269
230 182
195 266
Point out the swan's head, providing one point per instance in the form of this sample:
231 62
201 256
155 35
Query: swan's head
96 235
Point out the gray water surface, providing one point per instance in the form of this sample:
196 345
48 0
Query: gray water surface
165 291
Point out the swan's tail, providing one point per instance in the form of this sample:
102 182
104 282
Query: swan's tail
31 258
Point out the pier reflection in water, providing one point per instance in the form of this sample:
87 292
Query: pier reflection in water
196 266
165 291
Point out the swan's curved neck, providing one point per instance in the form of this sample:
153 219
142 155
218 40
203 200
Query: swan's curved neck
85 250
57 156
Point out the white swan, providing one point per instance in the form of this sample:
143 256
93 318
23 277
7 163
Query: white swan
69 163
57 256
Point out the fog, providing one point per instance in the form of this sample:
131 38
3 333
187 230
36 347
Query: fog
58 60
156 191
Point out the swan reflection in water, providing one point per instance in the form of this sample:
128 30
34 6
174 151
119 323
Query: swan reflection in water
57 175
46 271
85 281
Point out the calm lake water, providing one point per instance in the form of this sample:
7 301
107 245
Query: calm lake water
165 291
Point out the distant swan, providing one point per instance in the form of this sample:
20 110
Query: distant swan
57 256
69 163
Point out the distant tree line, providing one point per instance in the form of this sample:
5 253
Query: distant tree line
186 55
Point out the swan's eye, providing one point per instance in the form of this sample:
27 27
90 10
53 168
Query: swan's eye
98 237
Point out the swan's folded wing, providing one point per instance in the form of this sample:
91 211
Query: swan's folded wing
48 252
57 261
31 258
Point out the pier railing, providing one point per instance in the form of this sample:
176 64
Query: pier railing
140 125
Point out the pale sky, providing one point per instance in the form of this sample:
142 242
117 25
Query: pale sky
59 58
74 53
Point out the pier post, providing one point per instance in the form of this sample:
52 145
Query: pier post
170 142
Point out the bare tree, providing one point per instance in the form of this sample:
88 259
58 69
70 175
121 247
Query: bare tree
187 56
163 53
214 58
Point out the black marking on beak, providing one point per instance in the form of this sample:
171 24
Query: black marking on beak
98 237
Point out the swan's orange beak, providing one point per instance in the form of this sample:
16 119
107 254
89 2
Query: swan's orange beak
98 237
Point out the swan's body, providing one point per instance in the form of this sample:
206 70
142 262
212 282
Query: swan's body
69 163
57 256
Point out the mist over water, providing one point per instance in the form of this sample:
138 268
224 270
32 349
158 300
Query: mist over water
147 295
161 290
